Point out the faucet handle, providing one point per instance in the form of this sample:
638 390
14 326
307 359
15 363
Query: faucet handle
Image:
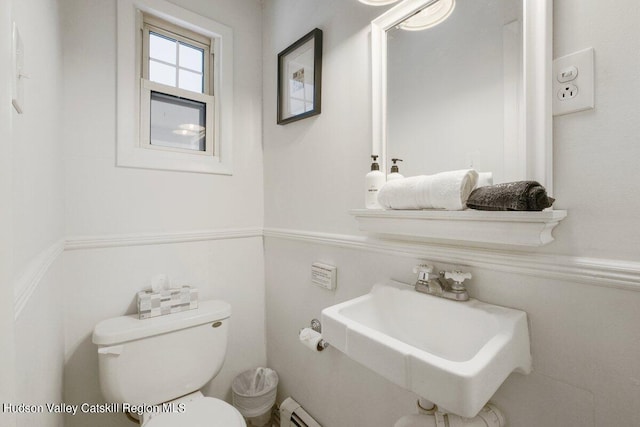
457 276
423 271
426 268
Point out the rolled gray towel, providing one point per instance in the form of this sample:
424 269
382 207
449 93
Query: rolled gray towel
510 196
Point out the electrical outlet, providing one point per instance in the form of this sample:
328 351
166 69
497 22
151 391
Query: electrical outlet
567 91
573 82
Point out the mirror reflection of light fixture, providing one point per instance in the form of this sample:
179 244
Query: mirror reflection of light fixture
430 16
191 127
377 2
184 132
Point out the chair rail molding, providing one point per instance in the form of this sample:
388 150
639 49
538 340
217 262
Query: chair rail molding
28 281
608 273
601 272
159 238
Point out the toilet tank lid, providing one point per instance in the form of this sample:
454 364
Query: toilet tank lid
128 328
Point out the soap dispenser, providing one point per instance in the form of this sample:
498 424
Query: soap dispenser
373 182
395 172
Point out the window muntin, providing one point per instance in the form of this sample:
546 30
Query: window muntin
176 63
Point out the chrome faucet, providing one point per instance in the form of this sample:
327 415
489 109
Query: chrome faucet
446 284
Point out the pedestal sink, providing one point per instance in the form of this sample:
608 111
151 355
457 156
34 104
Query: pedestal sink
455 354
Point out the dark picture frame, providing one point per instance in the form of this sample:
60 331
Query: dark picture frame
300 79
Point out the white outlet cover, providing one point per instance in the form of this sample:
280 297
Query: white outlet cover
17 83
583 61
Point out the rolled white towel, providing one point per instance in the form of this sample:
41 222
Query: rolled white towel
485 179
446 190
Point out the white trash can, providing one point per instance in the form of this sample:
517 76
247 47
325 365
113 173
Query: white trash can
254 394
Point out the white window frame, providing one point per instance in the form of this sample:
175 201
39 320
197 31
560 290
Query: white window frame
171 31
133 91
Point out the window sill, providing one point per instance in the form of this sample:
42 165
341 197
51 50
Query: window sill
475 228
145 158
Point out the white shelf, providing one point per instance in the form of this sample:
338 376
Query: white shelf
470 226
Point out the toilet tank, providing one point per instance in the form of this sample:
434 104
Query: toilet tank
155 360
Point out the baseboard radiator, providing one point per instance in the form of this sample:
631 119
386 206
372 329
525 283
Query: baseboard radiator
291 414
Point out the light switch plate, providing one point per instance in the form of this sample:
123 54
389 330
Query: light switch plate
573 82
17 84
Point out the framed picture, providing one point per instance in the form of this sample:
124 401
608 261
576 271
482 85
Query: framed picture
300 79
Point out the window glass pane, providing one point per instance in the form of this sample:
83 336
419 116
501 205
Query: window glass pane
162 48
191 58
177 122
162 73
190 81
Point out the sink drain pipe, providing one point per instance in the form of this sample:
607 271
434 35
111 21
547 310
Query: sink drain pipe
489 416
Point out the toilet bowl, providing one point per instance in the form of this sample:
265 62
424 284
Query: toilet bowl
196 411
161 363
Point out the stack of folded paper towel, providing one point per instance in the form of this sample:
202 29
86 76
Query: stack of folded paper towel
456 190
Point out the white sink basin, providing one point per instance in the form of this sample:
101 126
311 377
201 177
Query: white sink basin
455 354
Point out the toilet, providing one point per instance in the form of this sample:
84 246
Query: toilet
155 367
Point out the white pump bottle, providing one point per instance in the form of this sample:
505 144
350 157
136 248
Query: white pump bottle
374 180
395 172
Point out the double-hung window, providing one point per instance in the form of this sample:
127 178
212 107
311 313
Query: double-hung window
176 95
174 89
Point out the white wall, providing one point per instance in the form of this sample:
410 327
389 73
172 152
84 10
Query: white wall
7 357
315 168
595 170
37 212
585 369
583 339
38 163
594 166
108 201
103 199
586 372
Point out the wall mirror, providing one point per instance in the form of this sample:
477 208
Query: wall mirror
464 83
